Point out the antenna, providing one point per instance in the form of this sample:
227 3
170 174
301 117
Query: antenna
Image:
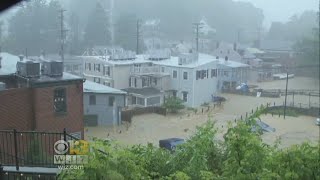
138 36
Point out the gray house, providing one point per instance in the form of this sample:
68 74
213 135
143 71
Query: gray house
102 104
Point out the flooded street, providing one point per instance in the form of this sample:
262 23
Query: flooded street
153 127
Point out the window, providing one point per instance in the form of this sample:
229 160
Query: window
145 82
174 93
185 75
97 67
89 66
185 96
197 75
107 83
140 101
162 69
75 67
135 82
59 99
111 100
134 100
92 100
203 74
154 81
207 72
174 74
225 73
213 72
96 79
106 70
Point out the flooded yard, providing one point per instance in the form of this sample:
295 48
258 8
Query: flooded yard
153 127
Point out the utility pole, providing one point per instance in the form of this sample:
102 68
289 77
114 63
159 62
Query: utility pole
62 33
1 24
285 100
198 27
138 36
239 34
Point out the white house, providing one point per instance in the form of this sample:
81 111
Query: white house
193 77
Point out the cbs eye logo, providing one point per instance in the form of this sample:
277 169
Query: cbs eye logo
61 147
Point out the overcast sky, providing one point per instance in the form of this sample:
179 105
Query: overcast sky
282 10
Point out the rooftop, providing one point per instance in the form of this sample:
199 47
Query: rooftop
174 61
92 87
9 63
231 64
139 59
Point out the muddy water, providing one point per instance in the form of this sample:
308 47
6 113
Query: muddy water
152 127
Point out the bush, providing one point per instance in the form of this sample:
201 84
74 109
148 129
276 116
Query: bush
173 104
242 155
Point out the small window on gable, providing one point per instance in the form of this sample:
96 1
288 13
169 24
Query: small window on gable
60 101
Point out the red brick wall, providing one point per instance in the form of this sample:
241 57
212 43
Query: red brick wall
16 109
48 120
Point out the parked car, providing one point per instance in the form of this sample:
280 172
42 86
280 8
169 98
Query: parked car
318 122
170 143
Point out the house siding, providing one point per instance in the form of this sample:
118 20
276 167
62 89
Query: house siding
106 114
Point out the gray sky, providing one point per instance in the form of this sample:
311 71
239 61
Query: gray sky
282 10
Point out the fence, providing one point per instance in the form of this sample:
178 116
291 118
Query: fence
264 93
278 110
10 175
29 149
127 115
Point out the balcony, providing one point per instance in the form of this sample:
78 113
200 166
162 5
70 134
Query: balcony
146 70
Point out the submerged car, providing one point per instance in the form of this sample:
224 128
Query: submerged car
262 127
170 143
318 122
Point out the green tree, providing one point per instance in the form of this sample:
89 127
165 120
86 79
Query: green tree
35 27
97 30
173 104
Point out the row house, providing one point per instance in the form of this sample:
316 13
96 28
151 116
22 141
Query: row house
151 77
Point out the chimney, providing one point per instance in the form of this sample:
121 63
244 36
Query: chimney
21 57
235 47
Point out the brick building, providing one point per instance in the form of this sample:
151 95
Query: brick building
39 100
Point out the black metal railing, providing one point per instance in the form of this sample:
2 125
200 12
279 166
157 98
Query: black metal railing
29 149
